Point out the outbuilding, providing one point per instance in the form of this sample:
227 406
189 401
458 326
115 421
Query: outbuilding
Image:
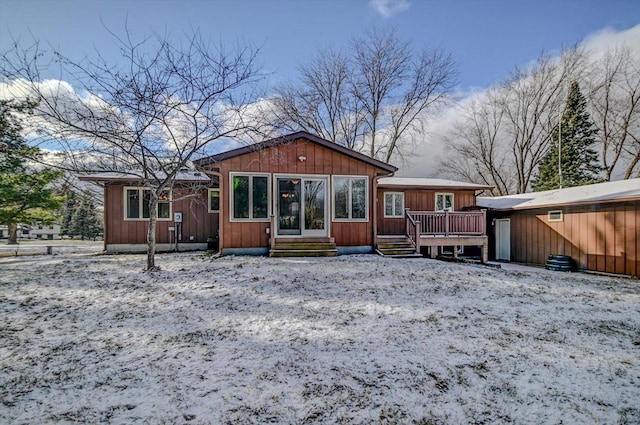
596 225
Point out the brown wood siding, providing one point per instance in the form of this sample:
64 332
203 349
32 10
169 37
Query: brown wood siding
197 221
284 160
601 238
417 200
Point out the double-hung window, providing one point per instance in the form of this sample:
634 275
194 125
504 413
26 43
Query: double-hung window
393 204
350 199
249 196
136 204
444 201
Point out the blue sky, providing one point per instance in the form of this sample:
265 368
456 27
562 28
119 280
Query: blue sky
487 38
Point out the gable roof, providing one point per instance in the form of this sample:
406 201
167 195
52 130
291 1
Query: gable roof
617 191
277 141
424 183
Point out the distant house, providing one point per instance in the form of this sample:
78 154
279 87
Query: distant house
295 195
35 231
597 225
45 231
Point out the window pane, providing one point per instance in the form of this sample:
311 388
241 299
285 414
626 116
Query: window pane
164 209
448 201
358 198
260 191
145 204
133 203
439 203
399 204
241 197
388 204
214 200
341 197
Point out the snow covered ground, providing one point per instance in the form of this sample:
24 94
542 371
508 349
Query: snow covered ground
352 339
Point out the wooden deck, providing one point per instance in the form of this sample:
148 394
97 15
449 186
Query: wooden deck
448 228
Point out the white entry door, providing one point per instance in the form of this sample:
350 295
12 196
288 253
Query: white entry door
503 239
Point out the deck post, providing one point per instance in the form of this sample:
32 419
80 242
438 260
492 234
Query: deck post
418 237
483 227
485 251
446 222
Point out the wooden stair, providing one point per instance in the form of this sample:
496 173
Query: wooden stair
396 247
304 247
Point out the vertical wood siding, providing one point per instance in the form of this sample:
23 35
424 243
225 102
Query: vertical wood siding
601 238
417 200
284 160
196 220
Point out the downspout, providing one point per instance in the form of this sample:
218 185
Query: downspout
222 203
375 206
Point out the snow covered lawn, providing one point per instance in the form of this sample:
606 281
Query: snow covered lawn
353 339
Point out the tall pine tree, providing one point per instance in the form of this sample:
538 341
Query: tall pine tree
84 220
579 160
26 194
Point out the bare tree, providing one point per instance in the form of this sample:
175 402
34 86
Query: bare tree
148 115
501 137
397 88
615 109
535 96
477 144
373 97
322 102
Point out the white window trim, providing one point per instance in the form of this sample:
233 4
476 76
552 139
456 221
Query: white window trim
141 190
269 198
549 213
366 199
209 200
396 214
453 199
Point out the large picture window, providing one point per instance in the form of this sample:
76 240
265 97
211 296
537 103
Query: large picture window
393 204
137 204
250 196
350 198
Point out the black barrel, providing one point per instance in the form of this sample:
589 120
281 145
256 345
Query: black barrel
560 263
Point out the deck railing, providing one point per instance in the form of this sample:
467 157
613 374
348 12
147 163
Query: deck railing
447 223
412 229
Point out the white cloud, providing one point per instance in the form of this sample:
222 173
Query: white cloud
389 8
430 152
608 38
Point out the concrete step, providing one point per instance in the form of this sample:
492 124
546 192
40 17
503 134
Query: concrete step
303 253
305 246
399 254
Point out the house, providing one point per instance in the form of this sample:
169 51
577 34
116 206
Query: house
440 216
126 214
45 231
293 195
596 225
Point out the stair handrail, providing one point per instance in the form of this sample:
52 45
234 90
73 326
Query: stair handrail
412 229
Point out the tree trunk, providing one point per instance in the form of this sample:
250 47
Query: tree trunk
151 234
13 234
